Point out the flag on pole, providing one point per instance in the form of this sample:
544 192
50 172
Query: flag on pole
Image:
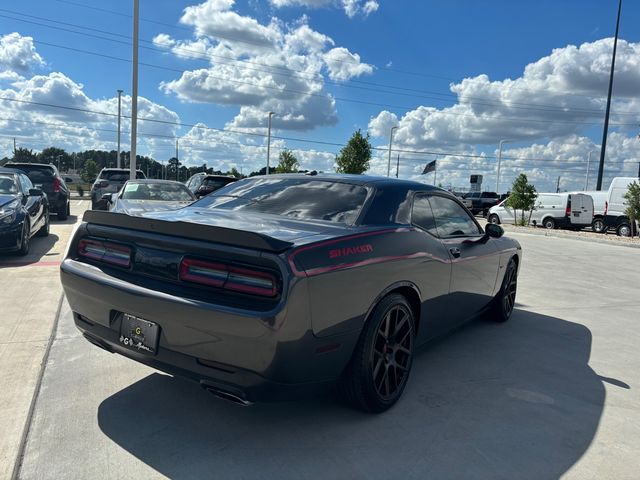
431 166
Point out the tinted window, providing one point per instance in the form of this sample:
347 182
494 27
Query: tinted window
422 215
118 176
8 184
451 219
164 192
39 174
215 183
297 198
489 195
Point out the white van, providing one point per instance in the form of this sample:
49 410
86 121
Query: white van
599 204
615 206
552 210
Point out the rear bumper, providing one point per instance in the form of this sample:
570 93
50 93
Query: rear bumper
234 350
58 202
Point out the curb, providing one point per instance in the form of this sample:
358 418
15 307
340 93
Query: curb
555 234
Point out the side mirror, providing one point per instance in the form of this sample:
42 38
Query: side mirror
494 231
107 197
35 192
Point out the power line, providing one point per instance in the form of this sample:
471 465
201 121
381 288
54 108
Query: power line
287 73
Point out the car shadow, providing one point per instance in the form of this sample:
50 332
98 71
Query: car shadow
39 250
516 400
70 220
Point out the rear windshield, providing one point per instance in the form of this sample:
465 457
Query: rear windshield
216 183
163 192
291 197
118 176
38 174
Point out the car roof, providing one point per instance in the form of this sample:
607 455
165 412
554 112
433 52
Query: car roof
155 181
25 164
113 169
363 180
11 170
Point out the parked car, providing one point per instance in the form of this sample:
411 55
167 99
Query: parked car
599 204
481 202
47 178
279 284
202 184
552 210
24 212
110 180
139 196
615 206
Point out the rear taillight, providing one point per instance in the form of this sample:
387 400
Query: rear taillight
56 185
229 277
568 211
106 252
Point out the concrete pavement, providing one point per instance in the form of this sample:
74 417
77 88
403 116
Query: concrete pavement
30 295
553 393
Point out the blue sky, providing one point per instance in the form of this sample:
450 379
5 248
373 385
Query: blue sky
405 65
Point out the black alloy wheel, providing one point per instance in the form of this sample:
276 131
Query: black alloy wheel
505 300
379 369
24 241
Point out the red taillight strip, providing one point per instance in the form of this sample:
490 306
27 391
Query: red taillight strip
105 252
229 277
197 271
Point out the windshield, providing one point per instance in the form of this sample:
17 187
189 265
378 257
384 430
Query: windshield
118 175
8 184
298 198
38 174
162 192
212 183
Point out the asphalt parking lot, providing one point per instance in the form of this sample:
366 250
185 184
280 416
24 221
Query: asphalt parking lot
553 393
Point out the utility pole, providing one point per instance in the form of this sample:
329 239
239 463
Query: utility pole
558 185
393 129
14 146
502 142
435 171
586 181
398 166
269 141
134 89
177 163
603 148
119 118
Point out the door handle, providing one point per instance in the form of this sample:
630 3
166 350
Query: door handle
455 251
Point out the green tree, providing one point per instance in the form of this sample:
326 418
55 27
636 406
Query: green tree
24 155
173 167
287 162
90 171
632 211
56 156
355 156
523 197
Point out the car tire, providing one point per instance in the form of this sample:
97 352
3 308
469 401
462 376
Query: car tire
23 250
379 368
493 218
598 225
44 230
624 230
63 215
549 223
504 302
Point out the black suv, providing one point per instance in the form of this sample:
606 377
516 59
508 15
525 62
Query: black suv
202 184
47 178
110 180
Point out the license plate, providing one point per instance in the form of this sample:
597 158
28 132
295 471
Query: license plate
139 334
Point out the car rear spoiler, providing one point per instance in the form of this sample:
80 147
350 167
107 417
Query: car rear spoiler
190 230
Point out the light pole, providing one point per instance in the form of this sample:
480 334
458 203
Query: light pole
134 89
586 180
502 142
603 147
269 141
119 116
393 129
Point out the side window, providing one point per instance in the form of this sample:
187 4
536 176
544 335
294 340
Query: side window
196 183
422 215
451 219
26 184
189 183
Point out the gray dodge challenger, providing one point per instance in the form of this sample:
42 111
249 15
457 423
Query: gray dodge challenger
278 285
